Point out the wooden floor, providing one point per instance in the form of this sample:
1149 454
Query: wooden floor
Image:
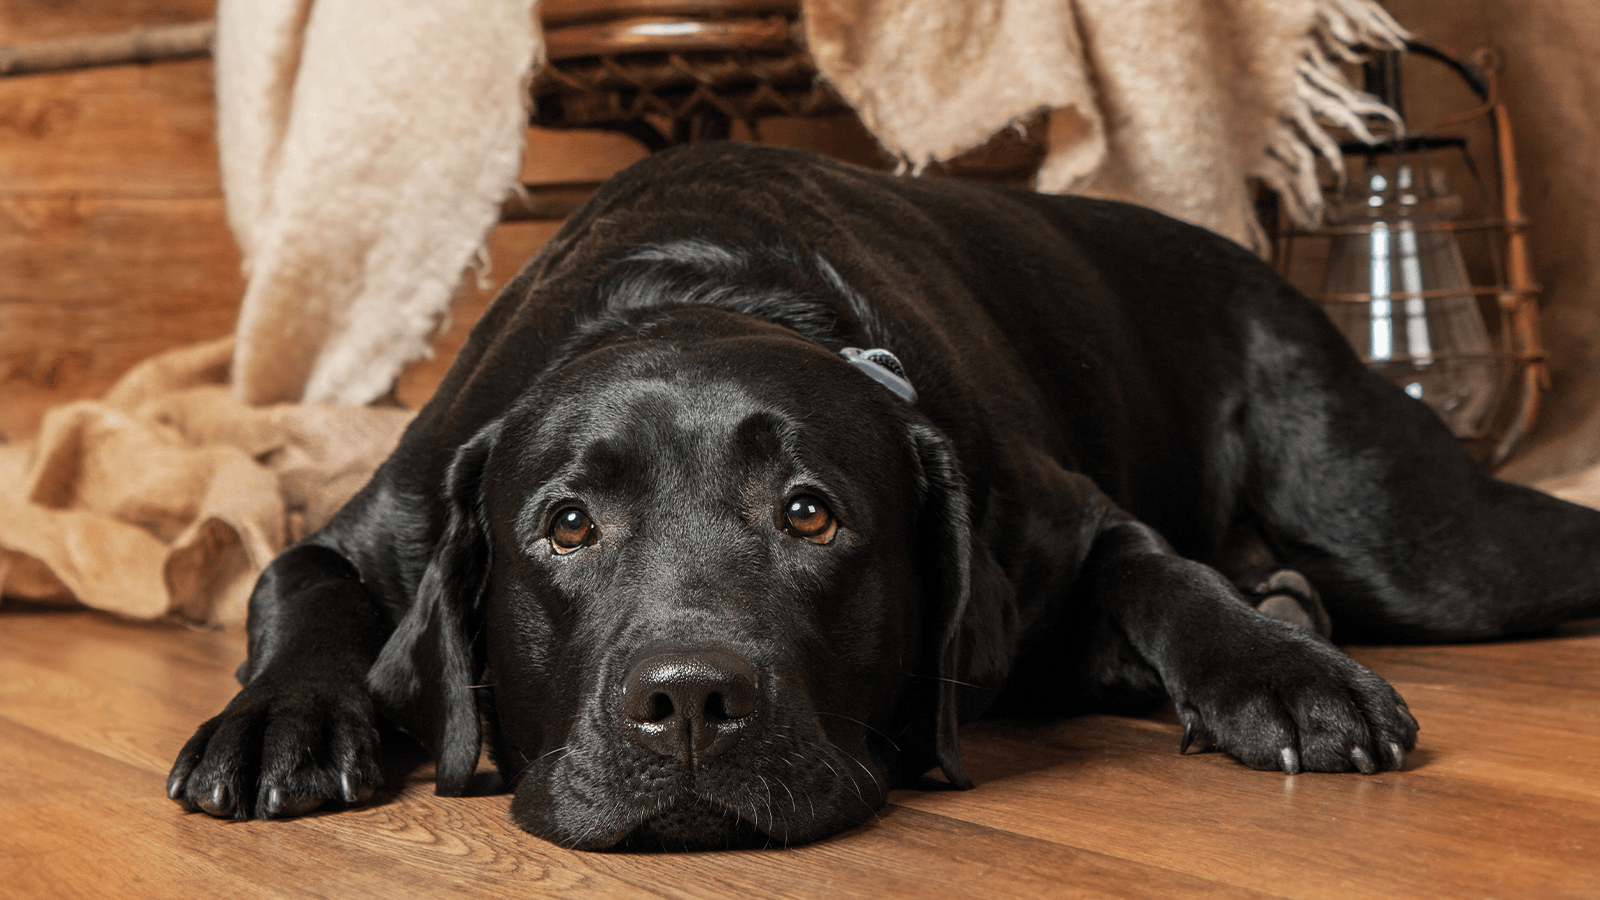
1501 799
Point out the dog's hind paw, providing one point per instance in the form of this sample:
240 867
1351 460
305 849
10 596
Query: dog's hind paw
277 752
1286 595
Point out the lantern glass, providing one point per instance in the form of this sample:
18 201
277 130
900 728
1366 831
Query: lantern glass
1396 285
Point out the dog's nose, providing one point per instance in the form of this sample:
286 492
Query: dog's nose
690 705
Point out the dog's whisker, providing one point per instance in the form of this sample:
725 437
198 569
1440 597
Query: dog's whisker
793 805
875 731
849 777
875 783
824 760
873 807
772 815
528 764
956 681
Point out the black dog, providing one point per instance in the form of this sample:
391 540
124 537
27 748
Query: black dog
704 577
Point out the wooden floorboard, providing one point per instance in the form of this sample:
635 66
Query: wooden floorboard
1502 799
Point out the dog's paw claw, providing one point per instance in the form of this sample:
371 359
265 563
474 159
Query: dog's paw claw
1396 755
279 804
1409 720
1362 761
1290 761
175 783
354 791
1192 733
217 802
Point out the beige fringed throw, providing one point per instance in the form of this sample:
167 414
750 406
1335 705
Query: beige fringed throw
367 144
1168 103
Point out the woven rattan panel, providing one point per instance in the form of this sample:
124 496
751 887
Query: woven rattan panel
617 62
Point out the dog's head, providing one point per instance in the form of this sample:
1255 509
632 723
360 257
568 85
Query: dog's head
709 585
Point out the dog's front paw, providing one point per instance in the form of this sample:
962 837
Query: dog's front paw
1297 705
281 750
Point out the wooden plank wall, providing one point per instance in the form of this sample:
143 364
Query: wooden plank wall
112 239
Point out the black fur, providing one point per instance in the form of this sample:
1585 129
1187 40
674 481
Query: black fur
1110 403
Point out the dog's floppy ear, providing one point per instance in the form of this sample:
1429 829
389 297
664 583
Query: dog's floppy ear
972 615
423 677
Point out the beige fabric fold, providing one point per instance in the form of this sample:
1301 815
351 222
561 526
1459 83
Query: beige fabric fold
1173 104
170 495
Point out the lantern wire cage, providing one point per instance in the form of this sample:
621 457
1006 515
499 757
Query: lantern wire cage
1511 363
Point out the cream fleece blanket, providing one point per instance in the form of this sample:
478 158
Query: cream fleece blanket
366 147
367 144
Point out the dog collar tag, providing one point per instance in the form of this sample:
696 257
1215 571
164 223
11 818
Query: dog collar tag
884 368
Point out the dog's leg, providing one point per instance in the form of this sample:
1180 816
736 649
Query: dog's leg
1269 693
1128 620
1363 490
303 731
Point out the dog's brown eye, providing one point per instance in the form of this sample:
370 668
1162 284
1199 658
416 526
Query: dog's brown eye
806 517
571 529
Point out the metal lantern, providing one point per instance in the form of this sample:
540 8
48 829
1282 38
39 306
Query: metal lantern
1441 304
